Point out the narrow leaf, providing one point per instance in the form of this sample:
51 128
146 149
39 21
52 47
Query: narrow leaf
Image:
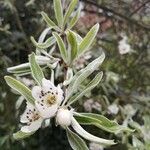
21 88
87 89
21 135
88 39
76 126
61 46
100 122
35 69
49 22
69 10
73 44
75 141
49 42
58 12
75 18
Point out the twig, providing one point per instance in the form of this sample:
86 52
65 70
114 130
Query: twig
116 13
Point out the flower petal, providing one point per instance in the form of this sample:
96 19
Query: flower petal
45 111
59 95
36 92
47 85
33 127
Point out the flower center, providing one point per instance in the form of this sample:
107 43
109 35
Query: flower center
50 99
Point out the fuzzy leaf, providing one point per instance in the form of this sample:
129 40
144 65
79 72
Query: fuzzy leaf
75 18
76 126
61 46
73 44
21 135
49 42
21 88
49 22
100 122
69 10
75 141
87 89
58 12
35 69
88 39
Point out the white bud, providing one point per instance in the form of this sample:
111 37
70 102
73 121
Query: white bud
64 117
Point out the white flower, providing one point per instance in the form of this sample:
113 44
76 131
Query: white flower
95 146
64 117
31 117
113 109
123 46
48 98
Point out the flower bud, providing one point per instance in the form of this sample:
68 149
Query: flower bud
64 117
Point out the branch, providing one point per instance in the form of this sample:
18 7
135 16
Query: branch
116 13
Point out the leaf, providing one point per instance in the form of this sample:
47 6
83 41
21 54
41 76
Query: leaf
75 141
58 12
35 69
88 39
69 11
87 89
75 18
76 126
49 22
73 44
21 88
61 46
49 42
21 135
100 122
81 75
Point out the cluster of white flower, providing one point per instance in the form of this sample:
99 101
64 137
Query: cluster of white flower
123 45
48 98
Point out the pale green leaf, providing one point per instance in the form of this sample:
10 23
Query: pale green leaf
21 135
35 69
88 39
49 22
72 40
101 122
75 141
69 10
87 89
49 42
61 46
74 19
21 88
58 12
76 126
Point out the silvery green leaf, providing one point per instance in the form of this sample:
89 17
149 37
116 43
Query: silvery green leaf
21 135
49 42
101 122
41 39
137 143
74 19
88 39
69 11
58 12
72 40
21 88
61 46
49 22
81 75
75 141
87 88
69 76
35 69
76 126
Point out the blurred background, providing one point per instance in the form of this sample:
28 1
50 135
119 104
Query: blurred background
123 94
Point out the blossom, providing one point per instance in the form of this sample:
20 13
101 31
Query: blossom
95 146
123 46
113 109
64 117
31 117
48 98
